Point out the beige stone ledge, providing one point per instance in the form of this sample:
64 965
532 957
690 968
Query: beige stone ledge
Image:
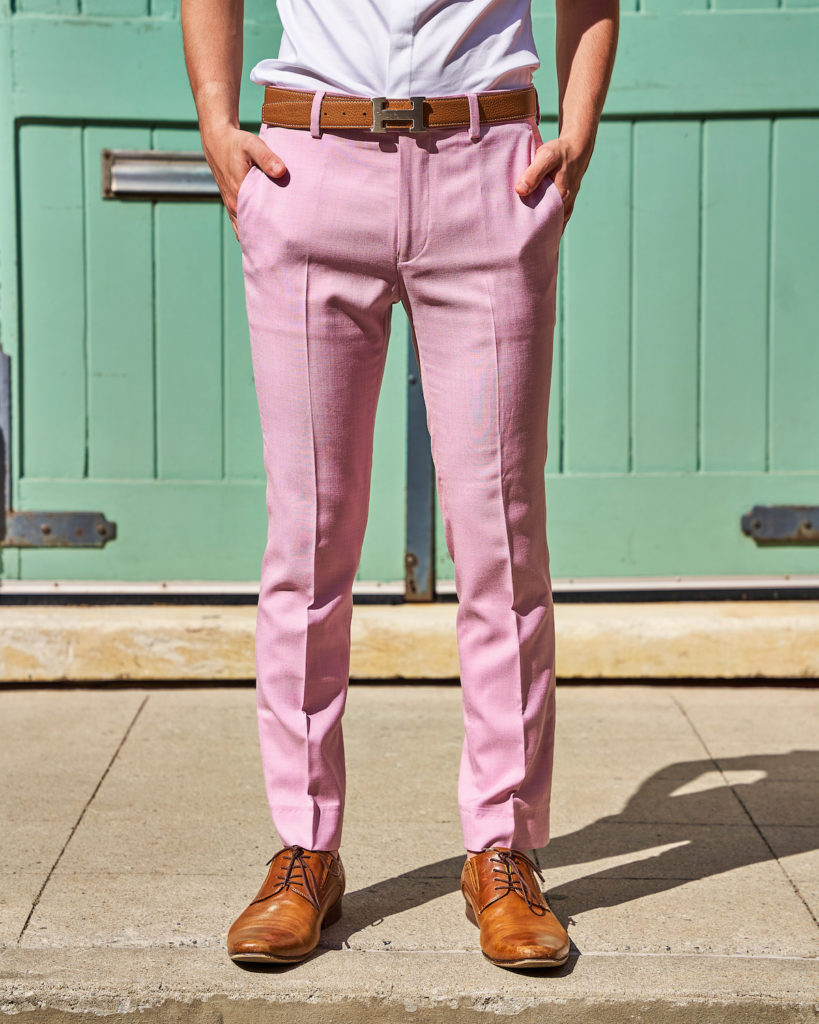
629 640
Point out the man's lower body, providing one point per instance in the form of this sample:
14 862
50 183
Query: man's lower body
358 222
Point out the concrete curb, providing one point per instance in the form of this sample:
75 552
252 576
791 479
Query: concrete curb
335 986
632 640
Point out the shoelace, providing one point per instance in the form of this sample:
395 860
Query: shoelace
514 880
297 862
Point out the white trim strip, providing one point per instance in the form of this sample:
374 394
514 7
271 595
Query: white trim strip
375 588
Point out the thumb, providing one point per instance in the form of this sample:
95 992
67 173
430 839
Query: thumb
545 160
266 159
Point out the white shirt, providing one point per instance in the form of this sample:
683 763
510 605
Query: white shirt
398 48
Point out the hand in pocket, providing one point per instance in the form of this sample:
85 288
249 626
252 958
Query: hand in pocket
231 154
558 160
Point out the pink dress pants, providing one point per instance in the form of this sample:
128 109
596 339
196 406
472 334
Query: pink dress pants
358 222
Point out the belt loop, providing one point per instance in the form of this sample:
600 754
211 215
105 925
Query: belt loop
537 105
315 113
474 116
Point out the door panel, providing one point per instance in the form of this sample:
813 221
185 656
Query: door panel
794 314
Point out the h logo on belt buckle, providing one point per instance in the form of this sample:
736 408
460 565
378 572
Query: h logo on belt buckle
415 114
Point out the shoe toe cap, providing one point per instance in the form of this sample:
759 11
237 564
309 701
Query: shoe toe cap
271 941
529 942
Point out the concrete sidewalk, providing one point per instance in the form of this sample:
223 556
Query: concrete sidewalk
683 860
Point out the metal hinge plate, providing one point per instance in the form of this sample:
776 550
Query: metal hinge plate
27 529
56 530
782 524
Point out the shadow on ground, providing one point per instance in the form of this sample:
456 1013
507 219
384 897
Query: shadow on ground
687 803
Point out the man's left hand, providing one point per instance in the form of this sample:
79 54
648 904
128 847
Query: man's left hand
565 162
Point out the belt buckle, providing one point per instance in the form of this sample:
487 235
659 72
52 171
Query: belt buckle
415 114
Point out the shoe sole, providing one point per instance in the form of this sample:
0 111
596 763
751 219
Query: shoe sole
333 914
526 962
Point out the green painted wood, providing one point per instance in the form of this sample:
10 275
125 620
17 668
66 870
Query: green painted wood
182 531
665 293
795 296
596 254
114 8
188 262
141 55
164 8
672 6
696 62
52 358
119 289
734 372
48 6
262 11
668 64
687 524
9 283
685 359
659 524
743 5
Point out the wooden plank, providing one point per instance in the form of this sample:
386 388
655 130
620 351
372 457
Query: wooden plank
672 6
164 8
142 55
165 531
701 62
795 297
744 5
597 315
670 524
658 524
48 6
264 12
9 265
734 373
52 359
188 262
665 298
653 524
120 318
114 8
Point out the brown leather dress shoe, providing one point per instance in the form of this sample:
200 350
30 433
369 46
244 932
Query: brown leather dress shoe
505 901
301 894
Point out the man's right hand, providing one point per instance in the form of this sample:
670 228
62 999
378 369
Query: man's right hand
230 153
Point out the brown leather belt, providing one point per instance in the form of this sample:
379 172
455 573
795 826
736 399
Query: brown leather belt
291 108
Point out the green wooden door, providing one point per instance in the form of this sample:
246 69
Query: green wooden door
133 386
687 368
686 361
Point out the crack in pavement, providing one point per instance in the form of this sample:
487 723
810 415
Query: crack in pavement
78 822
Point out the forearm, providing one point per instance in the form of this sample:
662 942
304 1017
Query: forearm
212 34
586 42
